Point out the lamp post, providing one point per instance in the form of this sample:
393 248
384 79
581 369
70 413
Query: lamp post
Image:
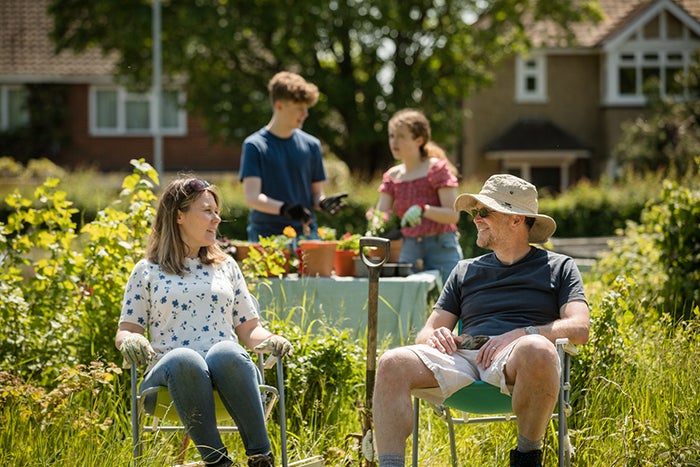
157 90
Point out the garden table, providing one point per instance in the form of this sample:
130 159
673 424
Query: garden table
341 302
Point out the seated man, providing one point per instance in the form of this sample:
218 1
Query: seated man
523 297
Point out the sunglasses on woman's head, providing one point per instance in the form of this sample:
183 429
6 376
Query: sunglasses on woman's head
481 212
197 185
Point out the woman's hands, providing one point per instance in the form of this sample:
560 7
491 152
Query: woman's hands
136 349
278 345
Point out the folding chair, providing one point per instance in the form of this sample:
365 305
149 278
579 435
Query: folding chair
164 417
481 398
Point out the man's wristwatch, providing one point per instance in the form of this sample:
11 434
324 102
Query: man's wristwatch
531 330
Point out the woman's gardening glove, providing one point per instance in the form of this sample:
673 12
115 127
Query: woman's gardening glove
412 217
136 349
278 345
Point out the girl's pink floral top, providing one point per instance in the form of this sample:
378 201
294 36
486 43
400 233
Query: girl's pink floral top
421 191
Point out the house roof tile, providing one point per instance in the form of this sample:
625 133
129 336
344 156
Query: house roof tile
617 14
27 52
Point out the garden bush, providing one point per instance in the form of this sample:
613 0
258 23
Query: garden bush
659 258
64 287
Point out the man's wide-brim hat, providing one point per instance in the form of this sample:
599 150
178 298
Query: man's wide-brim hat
511 195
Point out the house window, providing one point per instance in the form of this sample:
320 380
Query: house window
531 79
115 111
13 107
657 52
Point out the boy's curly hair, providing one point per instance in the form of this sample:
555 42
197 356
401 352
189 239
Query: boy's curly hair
289 86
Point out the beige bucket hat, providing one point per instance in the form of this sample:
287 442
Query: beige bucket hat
510 195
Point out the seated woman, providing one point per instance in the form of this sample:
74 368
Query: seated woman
192 299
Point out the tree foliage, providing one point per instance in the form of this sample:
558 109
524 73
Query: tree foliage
369 58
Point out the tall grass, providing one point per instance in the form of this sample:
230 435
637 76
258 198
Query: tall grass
643 409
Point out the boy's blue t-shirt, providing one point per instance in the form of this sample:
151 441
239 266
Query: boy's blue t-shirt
491 298
287 167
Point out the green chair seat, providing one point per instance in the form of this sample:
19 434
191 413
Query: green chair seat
480 398
165 410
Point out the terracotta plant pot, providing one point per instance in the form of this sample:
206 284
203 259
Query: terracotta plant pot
343 262
394 251
242 250
317 257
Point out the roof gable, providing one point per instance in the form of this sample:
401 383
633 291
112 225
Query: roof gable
644 13
619 18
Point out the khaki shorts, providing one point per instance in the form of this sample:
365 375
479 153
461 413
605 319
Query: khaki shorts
455 371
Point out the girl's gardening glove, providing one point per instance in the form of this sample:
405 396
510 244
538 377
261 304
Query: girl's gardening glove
136 349
412 217
278 345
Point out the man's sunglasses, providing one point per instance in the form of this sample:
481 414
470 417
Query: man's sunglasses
481 212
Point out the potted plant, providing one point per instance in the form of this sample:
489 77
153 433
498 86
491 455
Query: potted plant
347 249
316 257
270 256
385 225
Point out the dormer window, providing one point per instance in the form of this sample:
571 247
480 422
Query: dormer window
660 48
531 79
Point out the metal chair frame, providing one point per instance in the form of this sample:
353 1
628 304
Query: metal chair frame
165 418
462 401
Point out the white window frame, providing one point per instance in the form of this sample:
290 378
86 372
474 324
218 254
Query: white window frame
633 50
5 123
526 68
123 97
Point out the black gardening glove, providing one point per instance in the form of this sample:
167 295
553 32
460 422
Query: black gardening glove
295 212
332 204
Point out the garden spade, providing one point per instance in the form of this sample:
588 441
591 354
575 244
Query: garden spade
374 266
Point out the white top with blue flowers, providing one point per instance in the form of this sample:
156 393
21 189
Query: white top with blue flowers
195 310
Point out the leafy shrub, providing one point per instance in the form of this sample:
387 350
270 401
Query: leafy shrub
323 379
64 290
676 219
594 210
10 168
659 258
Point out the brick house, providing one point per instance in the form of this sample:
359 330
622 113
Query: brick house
555 116
104 125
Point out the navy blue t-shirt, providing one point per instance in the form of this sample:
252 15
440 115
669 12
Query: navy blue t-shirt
287 167
491 298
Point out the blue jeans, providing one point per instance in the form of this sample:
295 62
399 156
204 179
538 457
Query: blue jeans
440 252
190 379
